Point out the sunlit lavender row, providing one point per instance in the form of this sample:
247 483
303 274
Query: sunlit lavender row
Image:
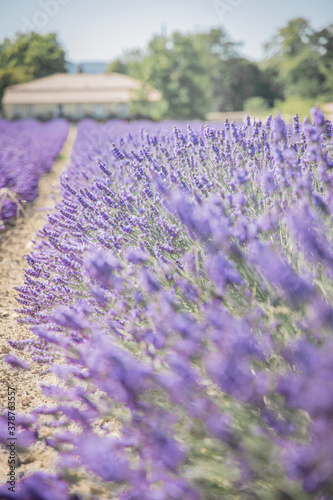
184 283
27 150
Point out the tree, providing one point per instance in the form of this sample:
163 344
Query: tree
28 57
117 66
303 59
322 42
175 66
122 64
238 79
233 78
290 40
197 73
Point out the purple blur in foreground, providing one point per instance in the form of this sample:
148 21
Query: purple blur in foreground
182 288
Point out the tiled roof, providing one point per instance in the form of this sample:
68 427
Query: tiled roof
65 88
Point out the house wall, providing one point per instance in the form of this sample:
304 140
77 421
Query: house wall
70 111
44 111
328 110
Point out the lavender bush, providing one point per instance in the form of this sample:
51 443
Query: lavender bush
196 268
27 150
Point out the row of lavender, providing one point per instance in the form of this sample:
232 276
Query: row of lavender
27 150
196 269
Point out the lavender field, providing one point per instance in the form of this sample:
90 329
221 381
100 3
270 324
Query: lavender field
28 149
182 289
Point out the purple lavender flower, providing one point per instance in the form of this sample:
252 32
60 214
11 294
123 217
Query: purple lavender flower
16 363
187 274
281 274
101 266
38 486
279 129
317 117
296 127
27 150
102 457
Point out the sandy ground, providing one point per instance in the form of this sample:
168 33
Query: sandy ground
15 243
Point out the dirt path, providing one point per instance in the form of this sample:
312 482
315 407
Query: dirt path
15 243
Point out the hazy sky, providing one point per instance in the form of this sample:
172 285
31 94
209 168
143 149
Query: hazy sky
102 29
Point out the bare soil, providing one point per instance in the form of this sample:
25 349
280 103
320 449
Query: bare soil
15 243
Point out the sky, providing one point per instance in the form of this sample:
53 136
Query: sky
100 30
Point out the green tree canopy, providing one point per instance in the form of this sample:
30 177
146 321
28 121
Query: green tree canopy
28 57
123 63
302 59
197 73
117 66
175 65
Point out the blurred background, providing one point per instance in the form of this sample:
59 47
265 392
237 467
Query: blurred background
180 60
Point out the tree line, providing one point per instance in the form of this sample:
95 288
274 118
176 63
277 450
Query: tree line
197 72
204 72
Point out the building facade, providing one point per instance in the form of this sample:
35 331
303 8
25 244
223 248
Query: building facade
74 96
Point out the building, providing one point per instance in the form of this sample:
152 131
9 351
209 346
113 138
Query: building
74 96
328 110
